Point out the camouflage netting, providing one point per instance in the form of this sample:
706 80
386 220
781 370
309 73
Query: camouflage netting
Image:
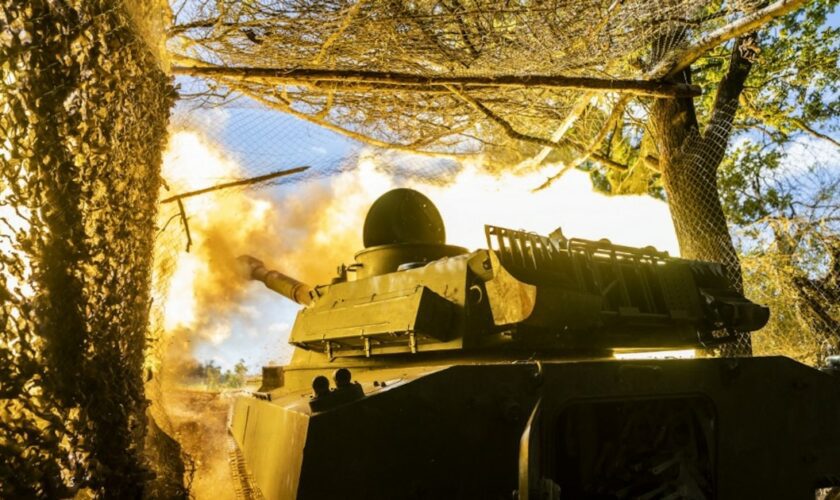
335 62
84 112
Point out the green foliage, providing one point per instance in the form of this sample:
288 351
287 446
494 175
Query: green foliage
795 81
791 92
211 376
741 177
786 207
779 184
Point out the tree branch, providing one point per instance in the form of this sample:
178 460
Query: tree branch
427 29
308 76
183 214
241 182
651 162
580 106
215 22
462 27
799 123
609 124
749 23
515 134
345 23
771 119
729 89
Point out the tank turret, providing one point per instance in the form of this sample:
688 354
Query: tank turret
403 229
413 292
490 374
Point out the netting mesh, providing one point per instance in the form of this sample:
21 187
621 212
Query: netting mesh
592 37
369 42
790 259
690 180
84 108
271 142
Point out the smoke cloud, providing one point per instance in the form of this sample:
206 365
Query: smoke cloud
307 229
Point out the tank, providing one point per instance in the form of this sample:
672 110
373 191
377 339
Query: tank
424 370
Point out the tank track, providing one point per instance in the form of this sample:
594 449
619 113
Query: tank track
243 484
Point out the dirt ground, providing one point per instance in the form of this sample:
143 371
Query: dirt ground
199 419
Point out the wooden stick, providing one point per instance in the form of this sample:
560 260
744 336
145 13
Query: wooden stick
241 182
186 224
305 76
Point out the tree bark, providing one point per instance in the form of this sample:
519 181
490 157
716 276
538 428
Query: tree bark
690 180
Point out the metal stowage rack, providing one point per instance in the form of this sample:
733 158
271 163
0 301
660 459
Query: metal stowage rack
629 279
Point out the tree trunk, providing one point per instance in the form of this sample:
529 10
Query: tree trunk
689 174
689 161
690 180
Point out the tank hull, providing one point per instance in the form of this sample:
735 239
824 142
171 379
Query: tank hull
701 428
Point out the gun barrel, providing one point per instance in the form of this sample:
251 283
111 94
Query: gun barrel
277 281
